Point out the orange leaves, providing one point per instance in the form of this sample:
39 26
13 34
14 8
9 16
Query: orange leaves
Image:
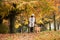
46 35
36 7
39 8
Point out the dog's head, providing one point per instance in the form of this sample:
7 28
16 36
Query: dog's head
36 25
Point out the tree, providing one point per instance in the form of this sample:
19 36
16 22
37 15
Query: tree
12 15
40 8
4 9
8 11
1 19
54 18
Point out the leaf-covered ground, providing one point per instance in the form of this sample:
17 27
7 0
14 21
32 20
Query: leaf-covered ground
46 35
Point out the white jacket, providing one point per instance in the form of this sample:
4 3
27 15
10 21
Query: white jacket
31 21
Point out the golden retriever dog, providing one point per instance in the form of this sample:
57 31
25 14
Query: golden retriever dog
37 29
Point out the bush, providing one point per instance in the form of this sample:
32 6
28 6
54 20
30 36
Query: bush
24 29
4 28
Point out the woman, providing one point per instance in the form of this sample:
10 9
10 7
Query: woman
31 22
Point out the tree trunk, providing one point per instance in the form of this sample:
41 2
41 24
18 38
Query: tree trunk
54 21
58 26
49 26
1 20
12 21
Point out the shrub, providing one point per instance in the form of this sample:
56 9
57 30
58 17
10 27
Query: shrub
4 28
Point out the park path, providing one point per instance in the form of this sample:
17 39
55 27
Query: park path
32 36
